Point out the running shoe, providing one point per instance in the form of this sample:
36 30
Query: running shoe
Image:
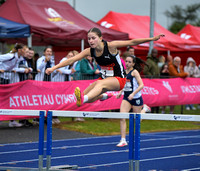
14 124
146 108
122 144
109 95
79 96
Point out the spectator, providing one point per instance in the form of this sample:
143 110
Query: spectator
44 62
23 69
65 73
161 61
175 67
164 73
35 58
176 70
122 59
152 70
8 62
193 71
76 75
88 68
131 51
31 64
26 67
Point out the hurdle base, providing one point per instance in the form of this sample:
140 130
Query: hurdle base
64 167
19 169
53 168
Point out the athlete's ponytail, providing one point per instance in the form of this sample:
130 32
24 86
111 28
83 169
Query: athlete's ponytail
17 46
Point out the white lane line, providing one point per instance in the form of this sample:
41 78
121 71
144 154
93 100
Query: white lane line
98 144
195 169
144 160
107 152
109 136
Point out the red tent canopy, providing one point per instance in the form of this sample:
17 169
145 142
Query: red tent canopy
53 22
190 32
139 27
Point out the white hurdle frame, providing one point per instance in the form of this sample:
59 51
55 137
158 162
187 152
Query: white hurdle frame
39 113
134 120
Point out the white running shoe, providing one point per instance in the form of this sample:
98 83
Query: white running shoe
146 108
55 121
122 144
187 108
14 124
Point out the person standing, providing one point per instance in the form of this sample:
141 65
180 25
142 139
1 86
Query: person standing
44 62
194 72
8 62
176 70
64 73
151 70
88 68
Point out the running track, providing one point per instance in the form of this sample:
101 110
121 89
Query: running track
166 151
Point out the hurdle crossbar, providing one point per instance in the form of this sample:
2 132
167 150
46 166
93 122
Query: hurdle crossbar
170 117
20 112
134 123
111 115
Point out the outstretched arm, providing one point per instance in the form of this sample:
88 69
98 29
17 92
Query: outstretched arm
69 61
134 42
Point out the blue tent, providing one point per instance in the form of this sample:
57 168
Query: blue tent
11 29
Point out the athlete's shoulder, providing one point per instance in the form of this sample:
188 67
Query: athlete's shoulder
134 72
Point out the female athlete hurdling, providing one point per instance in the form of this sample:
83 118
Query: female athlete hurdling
113 77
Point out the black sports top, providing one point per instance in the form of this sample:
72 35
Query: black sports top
110 64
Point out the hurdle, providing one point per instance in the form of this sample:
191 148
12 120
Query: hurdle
110 115
134 128
41 115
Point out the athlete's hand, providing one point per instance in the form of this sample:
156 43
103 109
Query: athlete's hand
130 97
158 37
49 71
119 95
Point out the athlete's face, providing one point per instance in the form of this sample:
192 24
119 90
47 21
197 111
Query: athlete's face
129 62
93 39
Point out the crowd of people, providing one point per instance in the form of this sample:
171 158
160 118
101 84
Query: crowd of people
24 63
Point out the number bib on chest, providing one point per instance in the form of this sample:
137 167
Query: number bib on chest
107 71
128 86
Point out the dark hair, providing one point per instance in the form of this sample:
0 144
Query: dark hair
30 48
47 48
95 30
129 47
17 47
138 63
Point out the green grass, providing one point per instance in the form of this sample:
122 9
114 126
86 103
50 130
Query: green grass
112 127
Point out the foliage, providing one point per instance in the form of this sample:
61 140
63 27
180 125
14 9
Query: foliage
112 126
180 16
2 1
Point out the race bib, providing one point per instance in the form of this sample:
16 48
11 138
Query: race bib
107 71
128 86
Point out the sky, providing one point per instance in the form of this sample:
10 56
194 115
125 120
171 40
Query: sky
97 9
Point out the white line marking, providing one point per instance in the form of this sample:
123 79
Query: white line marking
191 169
144 160
145 134
99 144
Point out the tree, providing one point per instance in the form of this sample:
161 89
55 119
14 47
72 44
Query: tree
180 17
2 1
